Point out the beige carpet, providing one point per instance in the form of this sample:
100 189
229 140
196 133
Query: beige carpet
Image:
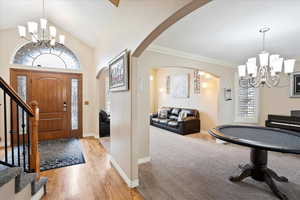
185 168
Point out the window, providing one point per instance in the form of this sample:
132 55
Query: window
74 104
246 104
58 56
22 92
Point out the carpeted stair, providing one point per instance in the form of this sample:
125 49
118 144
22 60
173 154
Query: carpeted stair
22 179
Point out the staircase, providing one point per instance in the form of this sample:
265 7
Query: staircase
20 164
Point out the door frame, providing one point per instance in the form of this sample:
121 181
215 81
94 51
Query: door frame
14 72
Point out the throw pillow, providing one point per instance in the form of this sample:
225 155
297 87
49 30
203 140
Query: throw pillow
163 114
182 115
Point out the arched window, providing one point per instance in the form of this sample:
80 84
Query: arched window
35 55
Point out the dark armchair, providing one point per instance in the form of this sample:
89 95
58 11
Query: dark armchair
104 124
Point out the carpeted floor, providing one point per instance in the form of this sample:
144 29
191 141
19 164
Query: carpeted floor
185 168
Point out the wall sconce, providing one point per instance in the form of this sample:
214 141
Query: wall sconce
227 94
207 76
151 78
204 85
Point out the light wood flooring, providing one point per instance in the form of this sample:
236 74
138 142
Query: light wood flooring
94 180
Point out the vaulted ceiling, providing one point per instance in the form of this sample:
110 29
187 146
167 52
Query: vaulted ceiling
92 21
228 30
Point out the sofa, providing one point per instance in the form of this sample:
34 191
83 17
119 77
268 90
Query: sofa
178 120
104 124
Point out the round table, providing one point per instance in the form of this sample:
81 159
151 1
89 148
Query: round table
260 140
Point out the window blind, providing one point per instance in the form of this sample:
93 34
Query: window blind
247 103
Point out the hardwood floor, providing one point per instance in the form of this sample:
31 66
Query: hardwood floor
94 180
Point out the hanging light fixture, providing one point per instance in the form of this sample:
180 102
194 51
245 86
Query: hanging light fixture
40 34
268 71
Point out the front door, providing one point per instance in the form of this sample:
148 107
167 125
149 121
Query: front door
59 99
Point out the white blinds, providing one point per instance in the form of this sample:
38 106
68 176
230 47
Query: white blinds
247 103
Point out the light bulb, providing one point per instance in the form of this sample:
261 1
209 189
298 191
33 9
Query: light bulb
264 59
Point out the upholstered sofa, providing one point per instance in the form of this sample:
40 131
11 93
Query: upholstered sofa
178 120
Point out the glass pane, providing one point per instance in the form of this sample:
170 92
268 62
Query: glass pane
22 92
74 104
57 57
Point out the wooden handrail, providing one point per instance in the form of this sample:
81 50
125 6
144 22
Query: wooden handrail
35 154
13 94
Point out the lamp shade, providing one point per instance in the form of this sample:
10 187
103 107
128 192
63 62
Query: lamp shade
242 70
22 31
52 30
32 27
277 68
289 66
43 23
251 66
264 59
62 39
33 39
52 42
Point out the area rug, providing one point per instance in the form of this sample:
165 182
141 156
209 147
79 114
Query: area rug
60 153
184 168
53 154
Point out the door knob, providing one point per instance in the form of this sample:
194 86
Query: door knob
65 106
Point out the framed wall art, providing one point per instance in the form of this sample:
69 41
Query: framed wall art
180 86
295 85
119 73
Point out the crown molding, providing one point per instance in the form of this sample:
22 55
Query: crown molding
183 54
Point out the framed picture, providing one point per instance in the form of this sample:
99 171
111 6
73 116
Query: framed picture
119 73
180 86
295 85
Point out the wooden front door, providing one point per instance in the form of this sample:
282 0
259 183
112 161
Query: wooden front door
58 99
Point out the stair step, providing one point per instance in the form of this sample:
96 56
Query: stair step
23 180
9 173
37 185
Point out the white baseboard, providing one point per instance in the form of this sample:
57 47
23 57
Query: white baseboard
144 160
128 181
91 134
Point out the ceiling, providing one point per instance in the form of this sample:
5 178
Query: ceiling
228 30
95 22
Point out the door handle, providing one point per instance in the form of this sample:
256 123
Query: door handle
65 106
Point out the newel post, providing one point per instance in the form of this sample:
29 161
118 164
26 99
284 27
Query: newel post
35 154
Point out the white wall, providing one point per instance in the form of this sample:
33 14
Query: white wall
150 60
9 41
206 102
277 101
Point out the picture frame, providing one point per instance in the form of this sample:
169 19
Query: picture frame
295 85
179 86
119 72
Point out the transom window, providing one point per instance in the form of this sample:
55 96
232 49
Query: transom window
58 56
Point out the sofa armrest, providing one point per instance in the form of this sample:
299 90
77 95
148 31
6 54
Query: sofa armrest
153 115
189 124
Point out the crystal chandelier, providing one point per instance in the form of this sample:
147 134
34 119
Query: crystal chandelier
40 34
269 70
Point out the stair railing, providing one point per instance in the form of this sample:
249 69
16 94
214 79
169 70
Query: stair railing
20 125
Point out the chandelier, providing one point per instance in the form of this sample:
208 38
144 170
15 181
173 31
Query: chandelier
40 34
269 70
